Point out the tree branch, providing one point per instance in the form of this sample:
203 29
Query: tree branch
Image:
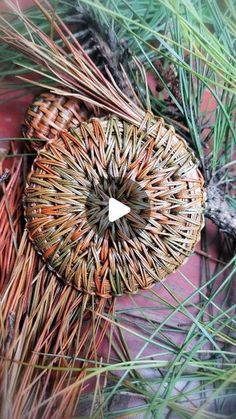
219 210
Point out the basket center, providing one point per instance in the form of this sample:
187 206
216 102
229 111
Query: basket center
129 193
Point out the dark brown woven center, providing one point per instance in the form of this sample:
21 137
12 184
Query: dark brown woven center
129 193
72 178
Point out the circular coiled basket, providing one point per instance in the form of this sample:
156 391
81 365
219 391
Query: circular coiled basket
76 239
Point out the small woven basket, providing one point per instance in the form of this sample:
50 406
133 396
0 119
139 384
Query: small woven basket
49 114
78 242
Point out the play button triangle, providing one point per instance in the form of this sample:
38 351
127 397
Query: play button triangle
117 210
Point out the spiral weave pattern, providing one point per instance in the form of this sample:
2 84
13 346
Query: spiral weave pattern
78 242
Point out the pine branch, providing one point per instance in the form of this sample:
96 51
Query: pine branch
103 46
4 176
218 209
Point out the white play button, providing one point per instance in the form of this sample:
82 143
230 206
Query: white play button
117 210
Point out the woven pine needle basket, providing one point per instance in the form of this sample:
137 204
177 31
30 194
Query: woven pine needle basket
66 208
49 114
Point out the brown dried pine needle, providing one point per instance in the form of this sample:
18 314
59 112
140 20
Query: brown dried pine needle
47 329
68 65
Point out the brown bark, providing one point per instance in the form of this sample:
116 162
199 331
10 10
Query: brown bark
219 210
